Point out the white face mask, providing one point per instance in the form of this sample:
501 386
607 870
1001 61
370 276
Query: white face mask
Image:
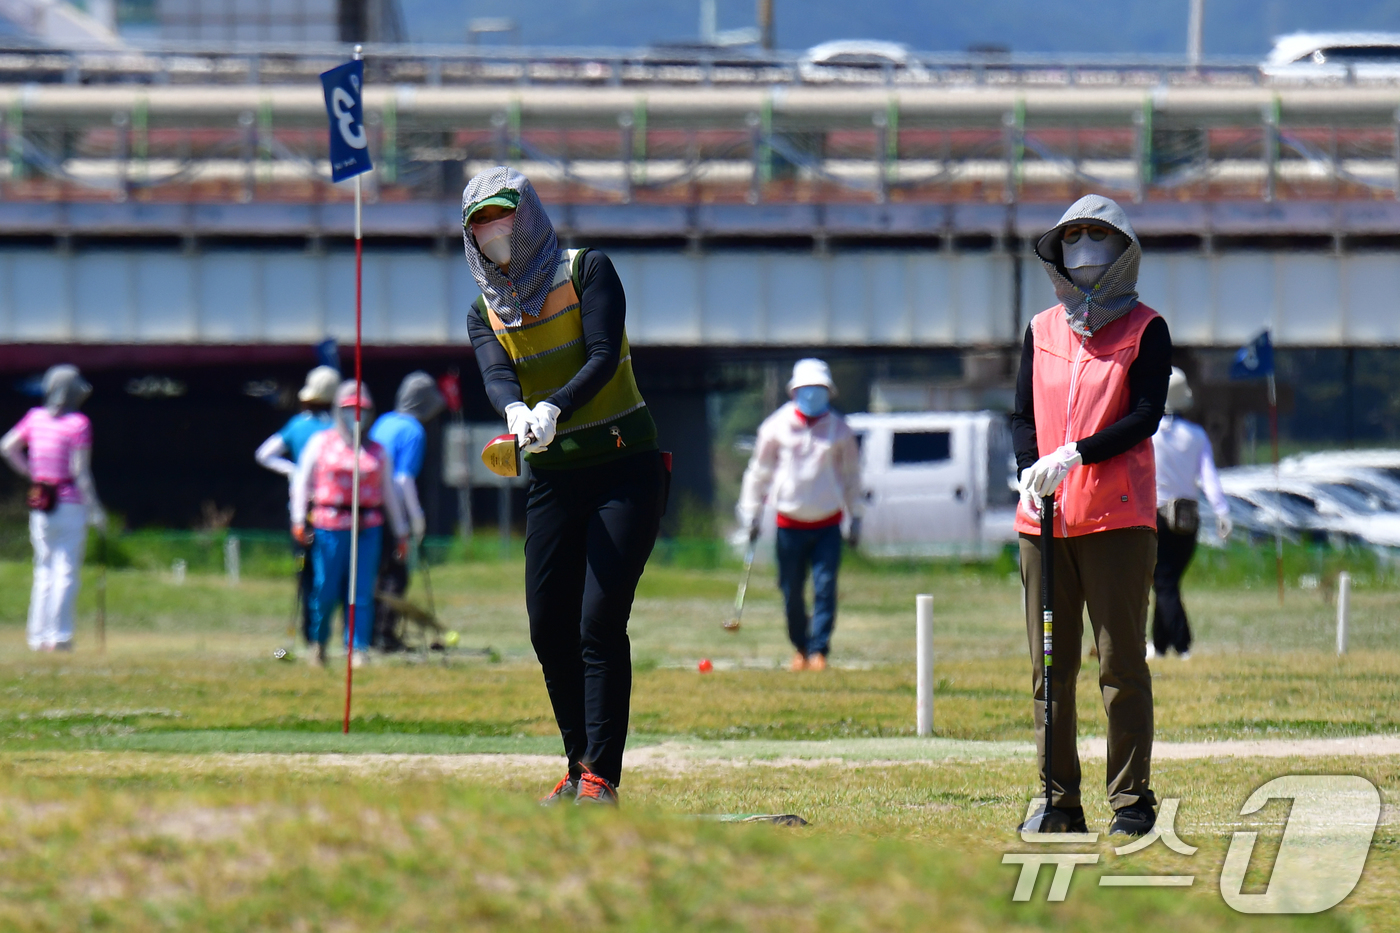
493 239
1087 259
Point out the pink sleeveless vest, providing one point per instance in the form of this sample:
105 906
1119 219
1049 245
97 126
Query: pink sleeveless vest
332 484
1081 386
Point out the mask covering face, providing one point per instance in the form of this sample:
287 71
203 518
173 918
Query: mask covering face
1087 259
345 421
493 239
812 401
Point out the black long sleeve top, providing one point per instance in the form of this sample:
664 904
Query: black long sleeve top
603 308
1147 400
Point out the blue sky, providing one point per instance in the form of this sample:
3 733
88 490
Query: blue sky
1233 27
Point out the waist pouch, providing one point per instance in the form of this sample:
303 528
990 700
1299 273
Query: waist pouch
42 497
1182 516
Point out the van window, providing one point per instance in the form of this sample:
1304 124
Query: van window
921 447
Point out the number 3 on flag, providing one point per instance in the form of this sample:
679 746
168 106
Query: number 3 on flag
342 111
349 144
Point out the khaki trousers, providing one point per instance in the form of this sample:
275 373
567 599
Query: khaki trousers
1111 573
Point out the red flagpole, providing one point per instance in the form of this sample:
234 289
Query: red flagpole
355 472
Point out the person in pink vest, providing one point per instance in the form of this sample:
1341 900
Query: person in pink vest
1091 390
322 498
51 447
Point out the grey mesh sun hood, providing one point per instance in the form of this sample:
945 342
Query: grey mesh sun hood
1092 208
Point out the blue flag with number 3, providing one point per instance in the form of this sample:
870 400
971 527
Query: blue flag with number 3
1254 359
349 141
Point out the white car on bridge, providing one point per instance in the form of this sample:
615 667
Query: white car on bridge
1313 56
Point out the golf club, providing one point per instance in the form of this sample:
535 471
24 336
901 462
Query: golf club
732 624
102 590
299 563
501 455
1047 615
427 578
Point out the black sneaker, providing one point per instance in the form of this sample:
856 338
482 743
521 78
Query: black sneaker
564 792
1133 820
1055 820
593 789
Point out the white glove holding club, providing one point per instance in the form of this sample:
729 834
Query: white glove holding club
518 422
545 420
1047 473
1223 527
1030 502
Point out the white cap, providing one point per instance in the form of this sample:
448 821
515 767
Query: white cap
811 372
1179 397
321 384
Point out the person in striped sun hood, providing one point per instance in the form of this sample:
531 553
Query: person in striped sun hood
1090 393
549 333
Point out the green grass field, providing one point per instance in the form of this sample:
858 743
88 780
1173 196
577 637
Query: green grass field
187 780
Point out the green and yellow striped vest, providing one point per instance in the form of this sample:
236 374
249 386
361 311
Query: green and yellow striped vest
547 352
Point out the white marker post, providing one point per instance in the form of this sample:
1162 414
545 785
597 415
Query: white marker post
923 648
1343 610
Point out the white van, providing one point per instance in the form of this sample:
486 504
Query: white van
936 483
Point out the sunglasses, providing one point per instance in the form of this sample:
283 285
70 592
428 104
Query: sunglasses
1096 233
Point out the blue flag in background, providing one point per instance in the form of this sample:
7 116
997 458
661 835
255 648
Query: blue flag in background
1254 360
349 141
328 354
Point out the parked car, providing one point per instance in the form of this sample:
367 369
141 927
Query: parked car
1359 462
1334 56
1312 510
860 61
936 482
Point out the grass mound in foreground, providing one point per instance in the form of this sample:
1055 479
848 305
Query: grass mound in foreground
334 855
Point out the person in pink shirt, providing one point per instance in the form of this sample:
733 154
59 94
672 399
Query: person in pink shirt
322 502
52 448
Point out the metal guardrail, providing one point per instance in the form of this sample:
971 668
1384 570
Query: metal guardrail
445 65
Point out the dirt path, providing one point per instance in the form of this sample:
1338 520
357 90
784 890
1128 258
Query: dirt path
672 757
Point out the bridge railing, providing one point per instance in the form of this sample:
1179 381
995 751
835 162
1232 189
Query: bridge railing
453 65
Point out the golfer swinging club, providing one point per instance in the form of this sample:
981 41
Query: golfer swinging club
549 337
1089 396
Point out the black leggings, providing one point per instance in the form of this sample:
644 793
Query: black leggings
1170 630
588 534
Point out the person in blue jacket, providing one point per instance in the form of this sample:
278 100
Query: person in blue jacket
280 453
404 434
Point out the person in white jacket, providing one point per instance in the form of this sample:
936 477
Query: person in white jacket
1184 458
805 458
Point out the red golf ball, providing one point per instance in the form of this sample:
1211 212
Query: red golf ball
705 666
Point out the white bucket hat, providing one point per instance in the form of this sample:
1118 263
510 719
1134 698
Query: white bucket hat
811 372
1179 397
321 384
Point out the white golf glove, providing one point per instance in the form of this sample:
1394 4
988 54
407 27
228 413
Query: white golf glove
1047 473
1223 527
518 421
1030 502
545 418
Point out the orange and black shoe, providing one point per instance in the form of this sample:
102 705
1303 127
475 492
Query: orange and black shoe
565 791
593 789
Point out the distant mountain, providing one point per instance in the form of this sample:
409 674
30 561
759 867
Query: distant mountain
1233 27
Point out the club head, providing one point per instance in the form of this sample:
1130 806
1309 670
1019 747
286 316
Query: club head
501 455
731 625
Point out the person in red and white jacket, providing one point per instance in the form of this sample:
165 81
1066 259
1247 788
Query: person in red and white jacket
805 458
